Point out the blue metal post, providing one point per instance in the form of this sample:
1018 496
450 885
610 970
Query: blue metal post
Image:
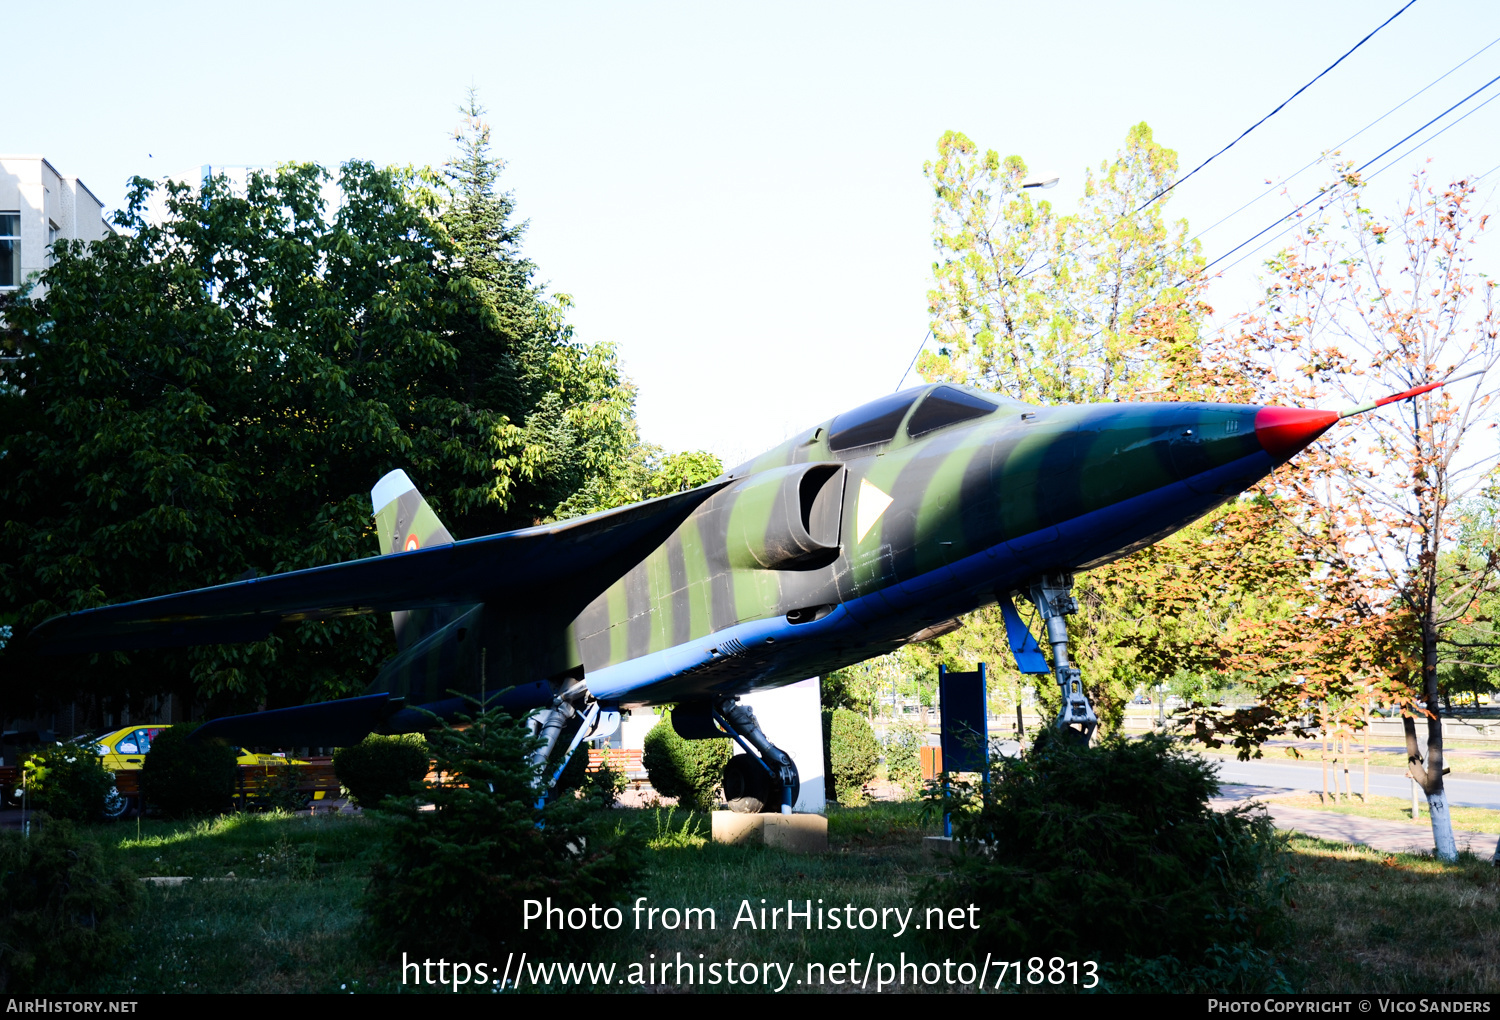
947 818
984 699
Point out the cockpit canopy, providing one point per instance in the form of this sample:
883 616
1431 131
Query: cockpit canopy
878 421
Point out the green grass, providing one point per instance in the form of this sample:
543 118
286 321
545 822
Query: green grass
1369 921
1393 809
279 915
288 921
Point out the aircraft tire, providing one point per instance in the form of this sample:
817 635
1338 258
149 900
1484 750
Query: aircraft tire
747 788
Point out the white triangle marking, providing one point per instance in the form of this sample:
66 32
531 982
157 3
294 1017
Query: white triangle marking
872 503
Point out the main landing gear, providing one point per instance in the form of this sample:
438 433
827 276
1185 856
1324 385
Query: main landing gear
764 778
574 704
1052 594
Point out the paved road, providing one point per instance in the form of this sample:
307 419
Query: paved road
1465 791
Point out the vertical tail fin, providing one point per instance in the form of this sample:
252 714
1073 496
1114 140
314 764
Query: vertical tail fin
403 522
403 518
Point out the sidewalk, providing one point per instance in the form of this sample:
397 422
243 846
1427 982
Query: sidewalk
1392 837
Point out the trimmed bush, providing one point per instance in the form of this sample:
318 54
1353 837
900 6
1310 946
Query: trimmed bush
689 770
455 878
183 778
67 781
903 756
853 753
380 766
61 910
1112 853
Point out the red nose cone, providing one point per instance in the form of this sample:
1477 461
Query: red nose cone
1283 431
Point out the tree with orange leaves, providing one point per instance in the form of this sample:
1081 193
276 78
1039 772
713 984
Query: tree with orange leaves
1360 308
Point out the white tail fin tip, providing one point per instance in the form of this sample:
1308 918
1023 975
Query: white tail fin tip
389 488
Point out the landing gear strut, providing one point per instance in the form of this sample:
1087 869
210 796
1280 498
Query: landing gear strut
749 777
1052 595
594 720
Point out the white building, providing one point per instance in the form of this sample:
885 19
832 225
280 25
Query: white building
38 205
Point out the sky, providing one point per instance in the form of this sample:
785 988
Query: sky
733 194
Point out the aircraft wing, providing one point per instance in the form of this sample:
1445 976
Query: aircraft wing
569 563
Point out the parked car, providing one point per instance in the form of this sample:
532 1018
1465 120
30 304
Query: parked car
125 750
127 747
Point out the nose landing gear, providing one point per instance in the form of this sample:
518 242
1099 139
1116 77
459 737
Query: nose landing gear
1052 595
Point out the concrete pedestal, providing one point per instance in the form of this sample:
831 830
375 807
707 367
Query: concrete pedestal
802 833
937 846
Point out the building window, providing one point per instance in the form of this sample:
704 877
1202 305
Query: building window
53 232
10 249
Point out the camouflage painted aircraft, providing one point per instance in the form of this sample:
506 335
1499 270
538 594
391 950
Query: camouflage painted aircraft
879 527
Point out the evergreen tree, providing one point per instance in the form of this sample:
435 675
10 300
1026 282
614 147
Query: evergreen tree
573 410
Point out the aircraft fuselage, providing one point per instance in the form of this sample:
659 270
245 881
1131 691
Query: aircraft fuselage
820 556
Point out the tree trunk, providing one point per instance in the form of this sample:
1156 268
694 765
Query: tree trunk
1430 778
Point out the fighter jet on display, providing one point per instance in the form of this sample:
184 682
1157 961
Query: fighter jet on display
879 527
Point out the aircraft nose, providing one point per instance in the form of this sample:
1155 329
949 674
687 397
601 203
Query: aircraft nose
1283 431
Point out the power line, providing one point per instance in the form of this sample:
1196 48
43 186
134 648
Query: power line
914 358
1372 176
1322 194
1358 170
1231 145
1339 145
1274 112
1362 167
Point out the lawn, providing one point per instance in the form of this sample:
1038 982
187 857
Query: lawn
1394 809
1374 922
274 908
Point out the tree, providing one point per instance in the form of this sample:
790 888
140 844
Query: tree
183 777
210 395
573 411
1361 306
1476 652
1045 307
852 752
1098 305
466 856
1114 853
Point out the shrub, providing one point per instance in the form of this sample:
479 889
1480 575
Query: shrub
689 770
852 753
903 756
605 784
380 766
282 789
183 777
1112 853
456 877
60 910
67 781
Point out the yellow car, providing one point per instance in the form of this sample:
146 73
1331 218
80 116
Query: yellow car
125 749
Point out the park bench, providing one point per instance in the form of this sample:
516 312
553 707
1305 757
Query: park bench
626 760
